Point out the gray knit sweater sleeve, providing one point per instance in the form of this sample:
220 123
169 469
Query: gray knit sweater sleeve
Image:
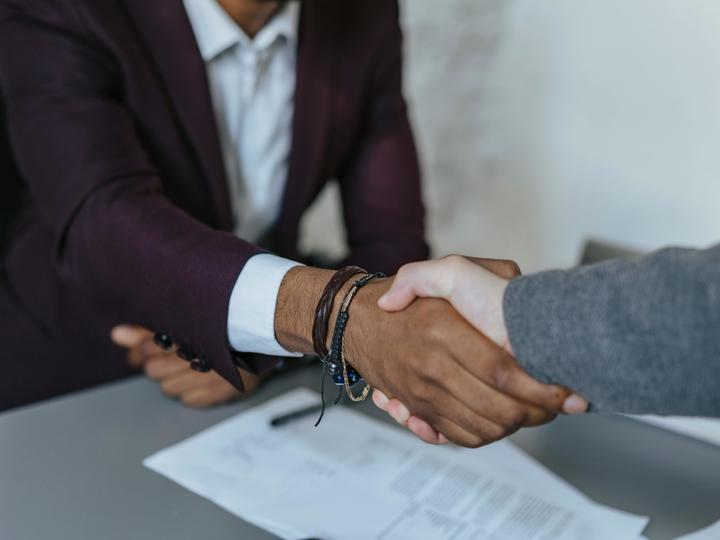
635 336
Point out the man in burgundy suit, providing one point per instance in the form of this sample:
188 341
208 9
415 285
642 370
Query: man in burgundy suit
161 143
114 116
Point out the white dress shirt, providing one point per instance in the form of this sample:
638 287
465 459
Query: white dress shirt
252 85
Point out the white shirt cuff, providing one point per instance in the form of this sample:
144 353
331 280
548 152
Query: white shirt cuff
251 315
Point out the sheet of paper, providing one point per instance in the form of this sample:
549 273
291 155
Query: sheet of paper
354 477
710 533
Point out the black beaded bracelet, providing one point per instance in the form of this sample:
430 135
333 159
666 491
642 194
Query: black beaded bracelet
342 372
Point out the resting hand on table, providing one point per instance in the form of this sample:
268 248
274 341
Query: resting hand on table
174 374
475 288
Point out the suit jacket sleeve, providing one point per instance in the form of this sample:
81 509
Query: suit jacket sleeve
139 257
639 336
380 185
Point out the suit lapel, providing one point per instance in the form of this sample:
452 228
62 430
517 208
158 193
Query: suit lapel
313 107
169 39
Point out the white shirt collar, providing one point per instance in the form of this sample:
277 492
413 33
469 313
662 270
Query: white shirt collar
216 32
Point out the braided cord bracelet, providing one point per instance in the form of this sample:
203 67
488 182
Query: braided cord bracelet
349 376
325 305
320 328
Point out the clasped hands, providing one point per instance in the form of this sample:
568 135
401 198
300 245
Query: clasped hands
483 395
432 342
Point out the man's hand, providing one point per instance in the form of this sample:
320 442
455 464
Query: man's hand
173 373
475 288
449 375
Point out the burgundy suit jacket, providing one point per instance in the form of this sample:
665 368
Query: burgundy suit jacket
126 216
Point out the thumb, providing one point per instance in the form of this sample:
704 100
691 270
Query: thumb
423 279
129 336
398 297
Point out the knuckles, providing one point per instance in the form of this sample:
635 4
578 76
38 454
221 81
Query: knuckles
403 274
503 375
512 269
454 261
514 419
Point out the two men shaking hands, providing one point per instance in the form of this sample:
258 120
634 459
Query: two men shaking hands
431 340
165 174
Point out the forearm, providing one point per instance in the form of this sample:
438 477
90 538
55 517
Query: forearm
299 294
632 336
144 261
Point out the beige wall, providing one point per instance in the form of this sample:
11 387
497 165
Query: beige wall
542 123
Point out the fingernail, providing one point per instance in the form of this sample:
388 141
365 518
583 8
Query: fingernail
381 400
382 300
575 404
402 414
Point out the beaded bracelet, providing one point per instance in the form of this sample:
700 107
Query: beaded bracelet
345 374
325 305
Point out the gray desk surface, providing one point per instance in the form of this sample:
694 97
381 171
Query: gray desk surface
70 469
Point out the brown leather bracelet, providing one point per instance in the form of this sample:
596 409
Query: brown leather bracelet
325 306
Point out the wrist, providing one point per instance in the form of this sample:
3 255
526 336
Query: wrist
299 294
365 319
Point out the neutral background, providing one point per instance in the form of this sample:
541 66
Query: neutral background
547 122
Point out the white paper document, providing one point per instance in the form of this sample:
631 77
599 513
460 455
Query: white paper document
357 478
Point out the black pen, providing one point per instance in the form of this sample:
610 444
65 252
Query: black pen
290 417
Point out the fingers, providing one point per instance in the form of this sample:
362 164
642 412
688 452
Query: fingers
397 410
435 279
139 342
195 389
423 279
458 434
514 381
208 395
380 399
509 412
184 381
147 352
425 431
419 427
489 363
130 336
163 367
394 407
199 389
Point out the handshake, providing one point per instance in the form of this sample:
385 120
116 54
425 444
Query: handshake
433 343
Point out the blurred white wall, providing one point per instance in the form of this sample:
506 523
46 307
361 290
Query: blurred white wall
542 123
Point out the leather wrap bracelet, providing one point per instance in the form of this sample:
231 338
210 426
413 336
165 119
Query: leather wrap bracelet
325 306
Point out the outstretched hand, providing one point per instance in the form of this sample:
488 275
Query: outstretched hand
475 288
